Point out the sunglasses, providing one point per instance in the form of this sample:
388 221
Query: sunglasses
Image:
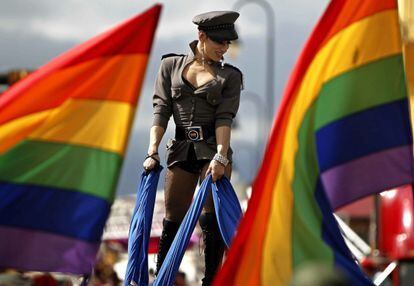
220 42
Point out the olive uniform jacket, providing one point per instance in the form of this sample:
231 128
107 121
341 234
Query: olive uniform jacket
213 104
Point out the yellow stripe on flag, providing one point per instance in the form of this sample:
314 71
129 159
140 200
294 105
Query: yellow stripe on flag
92 123
15 131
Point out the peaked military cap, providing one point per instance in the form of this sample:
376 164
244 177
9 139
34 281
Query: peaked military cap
218 25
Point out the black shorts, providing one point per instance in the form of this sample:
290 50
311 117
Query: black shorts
191 165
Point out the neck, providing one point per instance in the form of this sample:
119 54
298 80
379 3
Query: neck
199 54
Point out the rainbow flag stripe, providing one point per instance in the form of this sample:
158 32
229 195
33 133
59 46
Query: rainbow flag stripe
63 135
342 132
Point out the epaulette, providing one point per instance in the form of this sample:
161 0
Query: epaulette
171 55
241 74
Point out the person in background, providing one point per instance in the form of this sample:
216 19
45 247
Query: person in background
180 279
104 273
10 78
318 274
9 276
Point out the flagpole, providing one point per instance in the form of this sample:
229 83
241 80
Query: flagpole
255 99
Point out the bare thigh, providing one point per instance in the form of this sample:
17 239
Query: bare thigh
178 193
209 204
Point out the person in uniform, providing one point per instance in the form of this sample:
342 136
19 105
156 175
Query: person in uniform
202 93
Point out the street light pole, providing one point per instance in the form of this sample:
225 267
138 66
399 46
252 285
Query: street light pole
270 53
261 131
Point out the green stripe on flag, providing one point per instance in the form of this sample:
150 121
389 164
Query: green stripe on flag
307 217
370 85
66 166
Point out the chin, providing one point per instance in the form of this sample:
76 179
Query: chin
216 59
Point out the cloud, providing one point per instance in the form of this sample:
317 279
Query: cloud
75 20
24 9
69 20
27 50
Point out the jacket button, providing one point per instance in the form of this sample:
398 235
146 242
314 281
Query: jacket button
214 101
192 101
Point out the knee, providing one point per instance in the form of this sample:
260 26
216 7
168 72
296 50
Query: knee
175 213
208 222
209 204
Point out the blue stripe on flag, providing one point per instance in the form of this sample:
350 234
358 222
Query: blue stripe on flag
63 212
370 131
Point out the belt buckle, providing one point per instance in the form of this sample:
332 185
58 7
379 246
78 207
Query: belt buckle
194 133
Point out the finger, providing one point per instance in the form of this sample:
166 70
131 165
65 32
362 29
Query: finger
148 167
214 176
218 176
149 163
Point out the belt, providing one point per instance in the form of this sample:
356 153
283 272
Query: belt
194 133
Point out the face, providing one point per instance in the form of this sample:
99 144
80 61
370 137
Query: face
214 50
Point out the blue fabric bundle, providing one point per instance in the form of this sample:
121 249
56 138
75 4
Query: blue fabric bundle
228 213
140 230
227 207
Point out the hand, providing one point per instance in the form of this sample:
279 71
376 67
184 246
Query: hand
151 162
216 169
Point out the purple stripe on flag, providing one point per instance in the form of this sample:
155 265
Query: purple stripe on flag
368 175
35 250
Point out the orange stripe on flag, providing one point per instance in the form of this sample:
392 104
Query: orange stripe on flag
114 78
351 13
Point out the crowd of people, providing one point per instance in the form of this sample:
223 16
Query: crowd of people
12 277
103 274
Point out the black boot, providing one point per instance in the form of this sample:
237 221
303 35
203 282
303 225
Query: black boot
213 246
169 230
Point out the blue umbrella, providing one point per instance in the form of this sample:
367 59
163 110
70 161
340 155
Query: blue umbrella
139 232
225 198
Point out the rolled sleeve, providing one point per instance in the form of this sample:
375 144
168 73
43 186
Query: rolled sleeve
229 105
162 102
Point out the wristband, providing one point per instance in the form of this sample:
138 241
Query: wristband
221 159
151 156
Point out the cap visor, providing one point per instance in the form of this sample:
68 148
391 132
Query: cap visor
223 35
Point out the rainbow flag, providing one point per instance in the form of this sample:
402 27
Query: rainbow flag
63 134
342 132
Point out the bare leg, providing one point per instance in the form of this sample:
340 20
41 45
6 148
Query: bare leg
179 190
178 194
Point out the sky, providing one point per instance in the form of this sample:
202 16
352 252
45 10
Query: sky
32 32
